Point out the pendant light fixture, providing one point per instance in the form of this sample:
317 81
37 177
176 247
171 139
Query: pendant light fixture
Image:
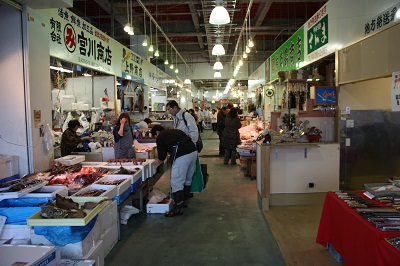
166 54
251 43
128 25
144 25
156 53
218 65
151 47
219 15
171 66
218 49
176 62
217 74
130 32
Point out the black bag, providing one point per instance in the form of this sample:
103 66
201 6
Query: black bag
199 142
205 174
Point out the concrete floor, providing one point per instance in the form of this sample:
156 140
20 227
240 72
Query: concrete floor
222 226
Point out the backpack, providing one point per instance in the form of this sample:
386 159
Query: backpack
199 142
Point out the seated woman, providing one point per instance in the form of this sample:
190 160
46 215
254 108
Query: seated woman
70 140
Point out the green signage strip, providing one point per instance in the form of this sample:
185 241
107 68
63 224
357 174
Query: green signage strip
317 36
289 55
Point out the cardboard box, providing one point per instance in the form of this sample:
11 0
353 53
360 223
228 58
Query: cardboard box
110 238
108 216
9 166
29 255
96 253
77 262
159 208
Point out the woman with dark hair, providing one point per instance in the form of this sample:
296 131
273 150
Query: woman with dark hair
123 137
69 139
230 136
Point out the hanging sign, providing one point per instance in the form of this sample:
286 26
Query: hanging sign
383 20
289 55
395 89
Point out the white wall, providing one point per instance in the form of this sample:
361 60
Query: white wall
12 88
39 88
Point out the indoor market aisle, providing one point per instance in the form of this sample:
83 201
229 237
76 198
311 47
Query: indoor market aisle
222 226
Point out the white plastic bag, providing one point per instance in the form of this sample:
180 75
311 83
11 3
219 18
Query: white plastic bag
48 138
156 196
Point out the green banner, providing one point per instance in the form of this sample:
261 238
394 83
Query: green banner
317 36
289 55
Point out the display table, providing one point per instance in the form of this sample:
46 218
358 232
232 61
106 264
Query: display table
287 173
353 237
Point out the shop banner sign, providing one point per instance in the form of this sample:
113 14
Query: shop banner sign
76 41
132 66
317 35
289 55
395 89
383 20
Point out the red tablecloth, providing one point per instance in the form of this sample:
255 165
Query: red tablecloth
353 237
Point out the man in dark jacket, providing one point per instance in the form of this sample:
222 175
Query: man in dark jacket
221 125
183 155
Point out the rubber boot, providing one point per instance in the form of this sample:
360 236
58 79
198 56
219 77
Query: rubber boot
178 204
186 191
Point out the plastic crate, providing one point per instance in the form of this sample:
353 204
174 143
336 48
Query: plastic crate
135 185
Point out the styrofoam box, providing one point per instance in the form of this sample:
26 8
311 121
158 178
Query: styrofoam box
110 238
159 208
9 166
110 190
96 253
107 217
47 192
122 186
77 262
15 241
152 167
29 255
71 159
16 232
143 171
72 251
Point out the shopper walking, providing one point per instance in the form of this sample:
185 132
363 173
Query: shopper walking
123 137
183 120
70 140
200 118
214 120
230 135
221 125
183 154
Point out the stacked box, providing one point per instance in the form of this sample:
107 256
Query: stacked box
29 255
9 166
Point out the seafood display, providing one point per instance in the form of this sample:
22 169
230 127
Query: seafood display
123 171
90 193
18 185
134 161
62 208
59 168
114 182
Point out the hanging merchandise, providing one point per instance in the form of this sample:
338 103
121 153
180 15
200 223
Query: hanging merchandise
104 100
84 122
139 99
48 138
66 102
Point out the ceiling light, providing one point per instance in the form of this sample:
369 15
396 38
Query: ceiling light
244 55
218 65
130 32
217 74
187 81
240 62
171 66
219 15
144 41
218 49
247 49
176 70
127 27
151 48
251 43
166 61
157 53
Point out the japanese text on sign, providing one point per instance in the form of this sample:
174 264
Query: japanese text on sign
382 20
317 35
88 46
